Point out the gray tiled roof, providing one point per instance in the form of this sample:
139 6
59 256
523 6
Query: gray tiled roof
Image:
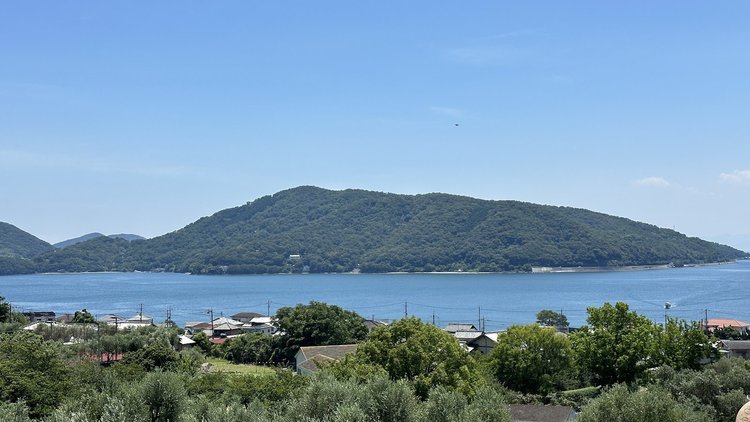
466 335
452 328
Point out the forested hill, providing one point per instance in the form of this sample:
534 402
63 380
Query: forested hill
318 230
16 249
16 243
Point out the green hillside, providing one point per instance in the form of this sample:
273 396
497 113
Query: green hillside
16 243
16 249
339 231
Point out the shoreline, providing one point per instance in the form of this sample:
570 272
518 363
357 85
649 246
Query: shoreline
534 270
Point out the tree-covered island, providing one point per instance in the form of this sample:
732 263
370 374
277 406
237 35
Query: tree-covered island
309 229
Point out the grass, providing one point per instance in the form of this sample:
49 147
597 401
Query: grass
223 365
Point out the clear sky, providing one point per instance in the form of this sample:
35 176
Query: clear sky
141 117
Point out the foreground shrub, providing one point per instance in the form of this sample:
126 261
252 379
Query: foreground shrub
14 412
653 404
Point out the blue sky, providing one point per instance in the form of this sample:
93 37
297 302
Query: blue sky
141 117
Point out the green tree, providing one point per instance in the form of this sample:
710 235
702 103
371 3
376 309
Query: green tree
486 405
202 342
532 359
377 399
422 354
316 324
153 356
249 348
164 395
552 319
682 345
268 389
617 344
83 317
652 404
720 388
4 310
32 370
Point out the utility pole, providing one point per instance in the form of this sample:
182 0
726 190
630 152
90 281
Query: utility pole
561 327
433 316
98 343
140 315
211 312
406 309
667 306
117 340
706 326
268 308
479 319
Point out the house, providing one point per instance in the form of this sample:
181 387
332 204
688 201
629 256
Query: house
371 324
140 319
260 324
309 358
246 317
65 319
260 328
483 343
112 319
466 336
193 328
735 348
223 327
225 330
476 341
184 342
261 320
541 413
220 327
454 327
714 323
44 316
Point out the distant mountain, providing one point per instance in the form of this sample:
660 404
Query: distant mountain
317 230
16 243
70 242
126 236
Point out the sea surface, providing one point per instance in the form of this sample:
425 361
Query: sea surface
495 300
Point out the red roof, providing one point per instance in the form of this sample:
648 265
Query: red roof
218 340
718 323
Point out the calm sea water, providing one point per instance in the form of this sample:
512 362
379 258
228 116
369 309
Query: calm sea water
499 299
